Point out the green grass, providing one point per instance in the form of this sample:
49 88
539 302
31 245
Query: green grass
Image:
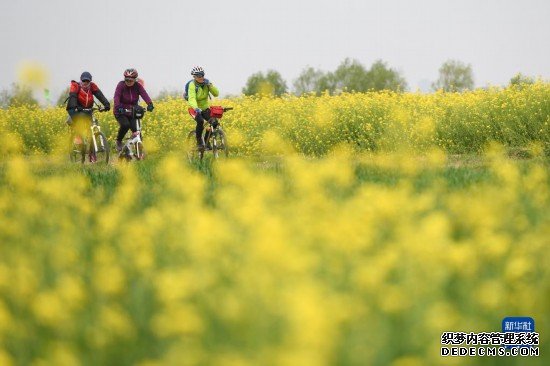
460 172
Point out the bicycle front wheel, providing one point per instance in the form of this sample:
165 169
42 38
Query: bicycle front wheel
77 152
140 153
219 144
102 148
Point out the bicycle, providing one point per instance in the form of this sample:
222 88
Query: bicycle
133 148
80 144
217 139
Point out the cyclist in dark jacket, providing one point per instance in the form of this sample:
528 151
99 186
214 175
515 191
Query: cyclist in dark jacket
81 96
127 95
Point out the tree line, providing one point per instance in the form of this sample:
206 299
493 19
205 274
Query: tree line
350 76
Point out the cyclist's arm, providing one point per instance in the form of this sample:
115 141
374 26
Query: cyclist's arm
213 90
118 95
192 96
144 94
99 95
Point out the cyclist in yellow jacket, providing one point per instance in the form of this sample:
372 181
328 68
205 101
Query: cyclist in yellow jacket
197 93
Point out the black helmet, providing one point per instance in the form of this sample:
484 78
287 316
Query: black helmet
86 76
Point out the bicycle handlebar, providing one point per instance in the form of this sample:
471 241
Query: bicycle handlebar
93 109
132 111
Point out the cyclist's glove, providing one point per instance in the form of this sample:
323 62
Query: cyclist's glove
150 107
79 109
198 111
206 82
107 107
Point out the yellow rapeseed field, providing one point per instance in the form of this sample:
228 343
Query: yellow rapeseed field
455 122
308 247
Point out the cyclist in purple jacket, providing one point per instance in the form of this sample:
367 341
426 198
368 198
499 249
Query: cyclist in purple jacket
127 95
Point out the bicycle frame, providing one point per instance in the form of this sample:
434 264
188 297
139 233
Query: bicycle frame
97 144
216 136
133 147
96 130
136 136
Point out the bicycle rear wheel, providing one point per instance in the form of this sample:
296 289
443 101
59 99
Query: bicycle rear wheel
103 150
125 154
193 153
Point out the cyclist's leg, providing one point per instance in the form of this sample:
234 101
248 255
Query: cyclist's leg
87 118
199 118
124 124
133 126
200 127
72 128
80 124
206 116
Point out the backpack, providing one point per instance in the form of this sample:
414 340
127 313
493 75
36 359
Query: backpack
69 94
77 91
186 91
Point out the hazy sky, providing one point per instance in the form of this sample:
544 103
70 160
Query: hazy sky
163 39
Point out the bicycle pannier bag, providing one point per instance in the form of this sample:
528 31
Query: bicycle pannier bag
216 111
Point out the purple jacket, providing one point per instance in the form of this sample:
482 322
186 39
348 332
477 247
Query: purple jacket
128 96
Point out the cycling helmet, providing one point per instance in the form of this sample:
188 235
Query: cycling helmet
197 71
131 73
86 76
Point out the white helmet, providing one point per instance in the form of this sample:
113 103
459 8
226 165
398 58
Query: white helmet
197 71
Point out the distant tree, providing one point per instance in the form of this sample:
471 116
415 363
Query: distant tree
350 75
18 95
4 98
165 94
308 81
454 76
382 77
520 79
61 100
271 83
327 83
